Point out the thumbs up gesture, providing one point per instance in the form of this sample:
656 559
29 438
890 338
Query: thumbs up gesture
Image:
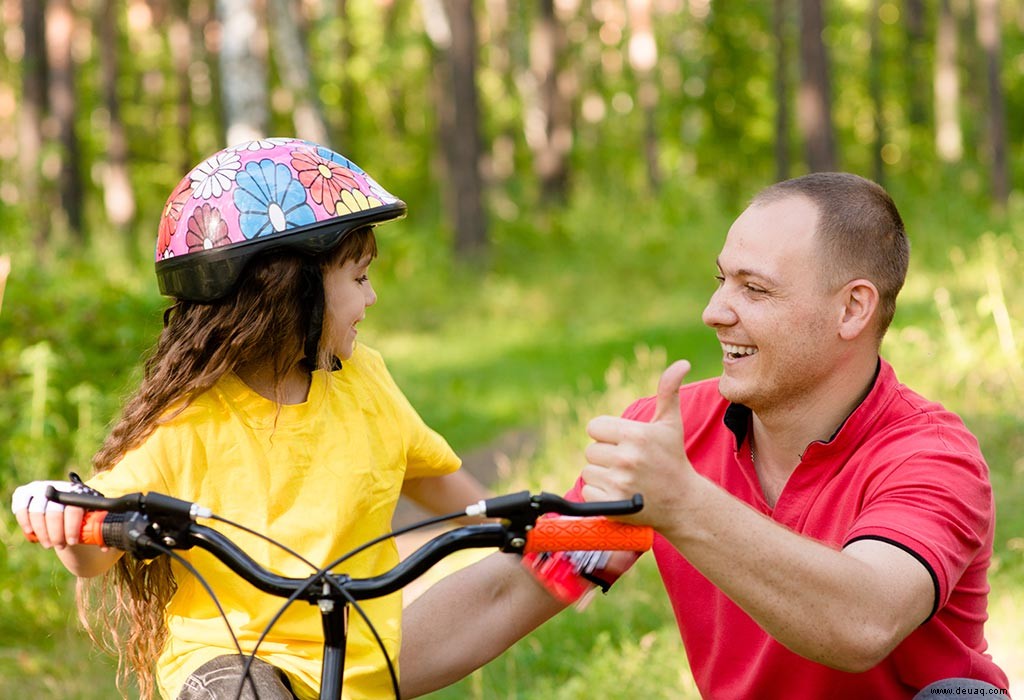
629 457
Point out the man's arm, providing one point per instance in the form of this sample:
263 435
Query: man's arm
467 619
845 609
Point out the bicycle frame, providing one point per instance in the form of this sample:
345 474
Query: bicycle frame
146 525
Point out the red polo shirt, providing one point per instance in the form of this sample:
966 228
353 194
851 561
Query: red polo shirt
900 469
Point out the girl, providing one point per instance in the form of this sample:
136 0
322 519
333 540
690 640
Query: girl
259 404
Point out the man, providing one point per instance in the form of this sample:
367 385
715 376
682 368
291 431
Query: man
823 531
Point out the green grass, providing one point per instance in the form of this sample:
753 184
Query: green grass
574 314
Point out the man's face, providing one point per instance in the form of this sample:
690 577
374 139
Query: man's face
777 323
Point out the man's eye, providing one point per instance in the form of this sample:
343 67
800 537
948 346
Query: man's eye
720 279
755 289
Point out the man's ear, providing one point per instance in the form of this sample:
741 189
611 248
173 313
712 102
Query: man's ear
859 299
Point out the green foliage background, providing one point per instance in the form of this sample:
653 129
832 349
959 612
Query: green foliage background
573 312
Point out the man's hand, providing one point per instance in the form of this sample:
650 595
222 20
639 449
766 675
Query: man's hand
629 457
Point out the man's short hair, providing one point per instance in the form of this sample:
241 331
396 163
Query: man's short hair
860 230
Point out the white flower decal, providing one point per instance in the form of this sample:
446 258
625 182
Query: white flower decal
262 144
214 176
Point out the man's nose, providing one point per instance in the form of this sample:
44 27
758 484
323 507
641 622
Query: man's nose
718 312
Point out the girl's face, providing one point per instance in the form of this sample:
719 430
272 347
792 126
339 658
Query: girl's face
347 294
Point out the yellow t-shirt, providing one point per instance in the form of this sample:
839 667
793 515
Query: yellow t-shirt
322 477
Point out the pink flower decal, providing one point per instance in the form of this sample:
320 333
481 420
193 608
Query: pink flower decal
206 229
324 178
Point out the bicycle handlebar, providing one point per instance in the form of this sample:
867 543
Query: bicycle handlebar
144 524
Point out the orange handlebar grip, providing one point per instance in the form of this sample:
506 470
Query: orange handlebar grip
92 528
587 534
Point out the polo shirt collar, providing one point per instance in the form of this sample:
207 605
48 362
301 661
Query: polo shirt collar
737 416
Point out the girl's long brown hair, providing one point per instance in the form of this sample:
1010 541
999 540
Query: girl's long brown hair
263 322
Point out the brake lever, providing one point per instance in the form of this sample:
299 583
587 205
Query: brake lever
523 505
124 504
550 503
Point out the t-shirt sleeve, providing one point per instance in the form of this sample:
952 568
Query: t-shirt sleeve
137 471
938 507
427 453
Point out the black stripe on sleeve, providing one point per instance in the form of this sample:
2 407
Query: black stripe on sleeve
908 550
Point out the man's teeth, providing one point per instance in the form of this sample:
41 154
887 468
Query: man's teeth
738 350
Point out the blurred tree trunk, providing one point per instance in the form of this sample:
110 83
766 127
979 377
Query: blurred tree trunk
875 83
507 61
118 197
548 109
293 61
243 67
780 12
465 147
643 57
397 98
948 136
451 26
60 22
814 108
348 122
989 37
179 39
917 97
32 112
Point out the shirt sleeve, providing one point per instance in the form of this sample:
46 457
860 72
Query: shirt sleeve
427 453
137 471
938 507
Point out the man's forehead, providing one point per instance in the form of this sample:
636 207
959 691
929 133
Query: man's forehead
790 208
775 223
768 235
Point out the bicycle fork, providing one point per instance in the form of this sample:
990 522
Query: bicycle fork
334 617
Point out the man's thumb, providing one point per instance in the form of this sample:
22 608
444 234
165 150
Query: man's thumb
668 391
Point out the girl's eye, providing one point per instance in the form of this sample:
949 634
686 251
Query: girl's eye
363 279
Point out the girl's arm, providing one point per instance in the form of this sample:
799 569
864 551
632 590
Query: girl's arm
445 494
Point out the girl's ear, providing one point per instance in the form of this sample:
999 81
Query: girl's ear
859 300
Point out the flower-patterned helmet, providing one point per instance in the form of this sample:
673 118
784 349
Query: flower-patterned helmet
256 197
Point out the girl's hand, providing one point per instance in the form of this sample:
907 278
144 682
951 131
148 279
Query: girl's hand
46 521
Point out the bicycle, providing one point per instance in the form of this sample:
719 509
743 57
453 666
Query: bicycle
148 524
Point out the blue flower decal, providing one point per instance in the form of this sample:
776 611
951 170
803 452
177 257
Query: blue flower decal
270 200
330 155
